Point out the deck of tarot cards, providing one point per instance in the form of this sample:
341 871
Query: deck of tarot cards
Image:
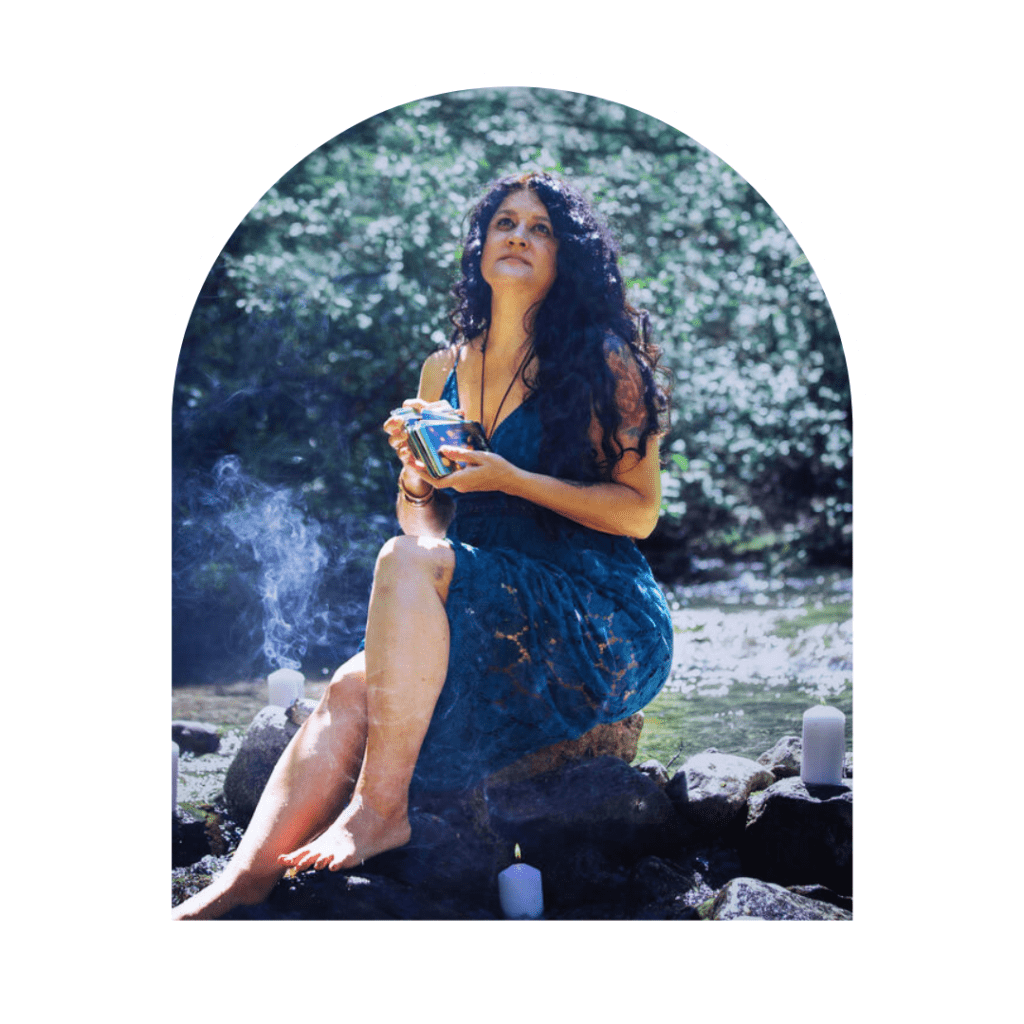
431 430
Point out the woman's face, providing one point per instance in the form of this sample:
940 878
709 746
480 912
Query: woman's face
520 249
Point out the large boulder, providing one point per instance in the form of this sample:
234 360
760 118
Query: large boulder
264 743
603 801
711 790
749 899
444 859
274 726
801 835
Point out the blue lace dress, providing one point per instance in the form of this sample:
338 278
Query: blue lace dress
554 627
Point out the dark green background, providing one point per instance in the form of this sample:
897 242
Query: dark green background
135 129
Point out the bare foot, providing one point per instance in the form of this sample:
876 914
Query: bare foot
357 834
227 891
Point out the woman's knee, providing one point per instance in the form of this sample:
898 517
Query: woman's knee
347 688
354 669
429 557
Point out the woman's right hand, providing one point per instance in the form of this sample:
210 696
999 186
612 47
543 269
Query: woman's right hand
414 472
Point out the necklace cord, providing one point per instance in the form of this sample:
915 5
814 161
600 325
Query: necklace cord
508 390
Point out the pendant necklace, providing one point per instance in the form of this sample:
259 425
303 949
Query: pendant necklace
483 374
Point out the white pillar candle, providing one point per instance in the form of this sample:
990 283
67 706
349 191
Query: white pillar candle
519 887
285 686
174 778
824 745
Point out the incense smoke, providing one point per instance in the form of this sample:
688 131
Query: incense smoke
257 575
291 561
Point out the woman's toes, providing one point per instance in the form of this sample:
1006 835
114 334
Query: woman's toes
295 859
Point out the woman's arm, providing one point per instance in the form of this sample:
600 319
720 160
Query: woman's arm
628 505
432 518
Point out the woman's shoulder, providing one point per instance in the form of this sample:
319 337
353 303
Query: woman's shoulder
436 368
613 344
631 378
619 356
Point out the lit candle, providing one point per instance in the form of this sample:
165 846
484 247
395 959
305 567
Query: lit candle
519 887
285 686
824 745
174 778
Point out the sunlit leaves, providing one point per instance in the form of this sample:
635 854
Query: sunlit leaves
342 272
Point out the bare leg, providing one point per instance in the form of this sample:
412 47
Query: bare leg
311 783
406 664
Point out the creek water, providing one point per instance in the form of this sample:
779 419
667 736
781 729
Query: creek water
752 653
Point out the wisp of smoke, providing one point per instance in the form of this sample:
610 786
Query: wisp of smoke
290 556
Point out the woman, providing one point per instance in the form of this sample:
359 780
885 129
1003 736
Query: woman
515 609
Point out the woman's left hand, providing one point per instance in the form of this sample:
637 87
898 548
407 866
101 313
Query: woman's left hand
482 471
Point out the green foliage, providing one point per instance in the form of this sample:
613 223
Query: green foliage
325 301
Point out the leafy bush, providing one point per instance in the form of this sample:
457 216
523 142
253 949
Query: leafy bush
317 315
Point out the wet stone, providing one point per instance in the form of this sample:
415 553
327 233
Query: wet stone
754 900
714 788
801 835
195 737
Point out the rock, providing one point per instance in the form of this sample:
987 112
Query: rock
785 758
749 899
197 737
188 880
673 890
585 874
299 710
354 896
823 894
712 865
189 841
614 842
712 789
655 771
263 744
654 879
442 860
602 801
673 908
801 835
617 739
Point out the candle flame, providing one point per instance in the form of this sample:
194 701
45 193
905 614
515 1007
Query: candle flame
519 853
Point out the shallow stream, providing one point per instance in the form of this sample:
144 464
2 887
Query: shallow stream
752 654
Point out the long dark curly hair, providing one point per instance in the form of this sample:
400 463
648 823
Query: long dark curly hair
581 332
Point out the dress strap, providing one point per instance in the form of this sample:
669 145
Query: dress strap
450 391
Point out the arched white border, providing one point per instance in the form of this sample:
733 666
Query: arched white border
247 195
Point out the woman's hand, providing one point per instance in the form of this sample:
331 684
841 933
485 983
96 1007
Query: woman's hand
414 472
480 471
